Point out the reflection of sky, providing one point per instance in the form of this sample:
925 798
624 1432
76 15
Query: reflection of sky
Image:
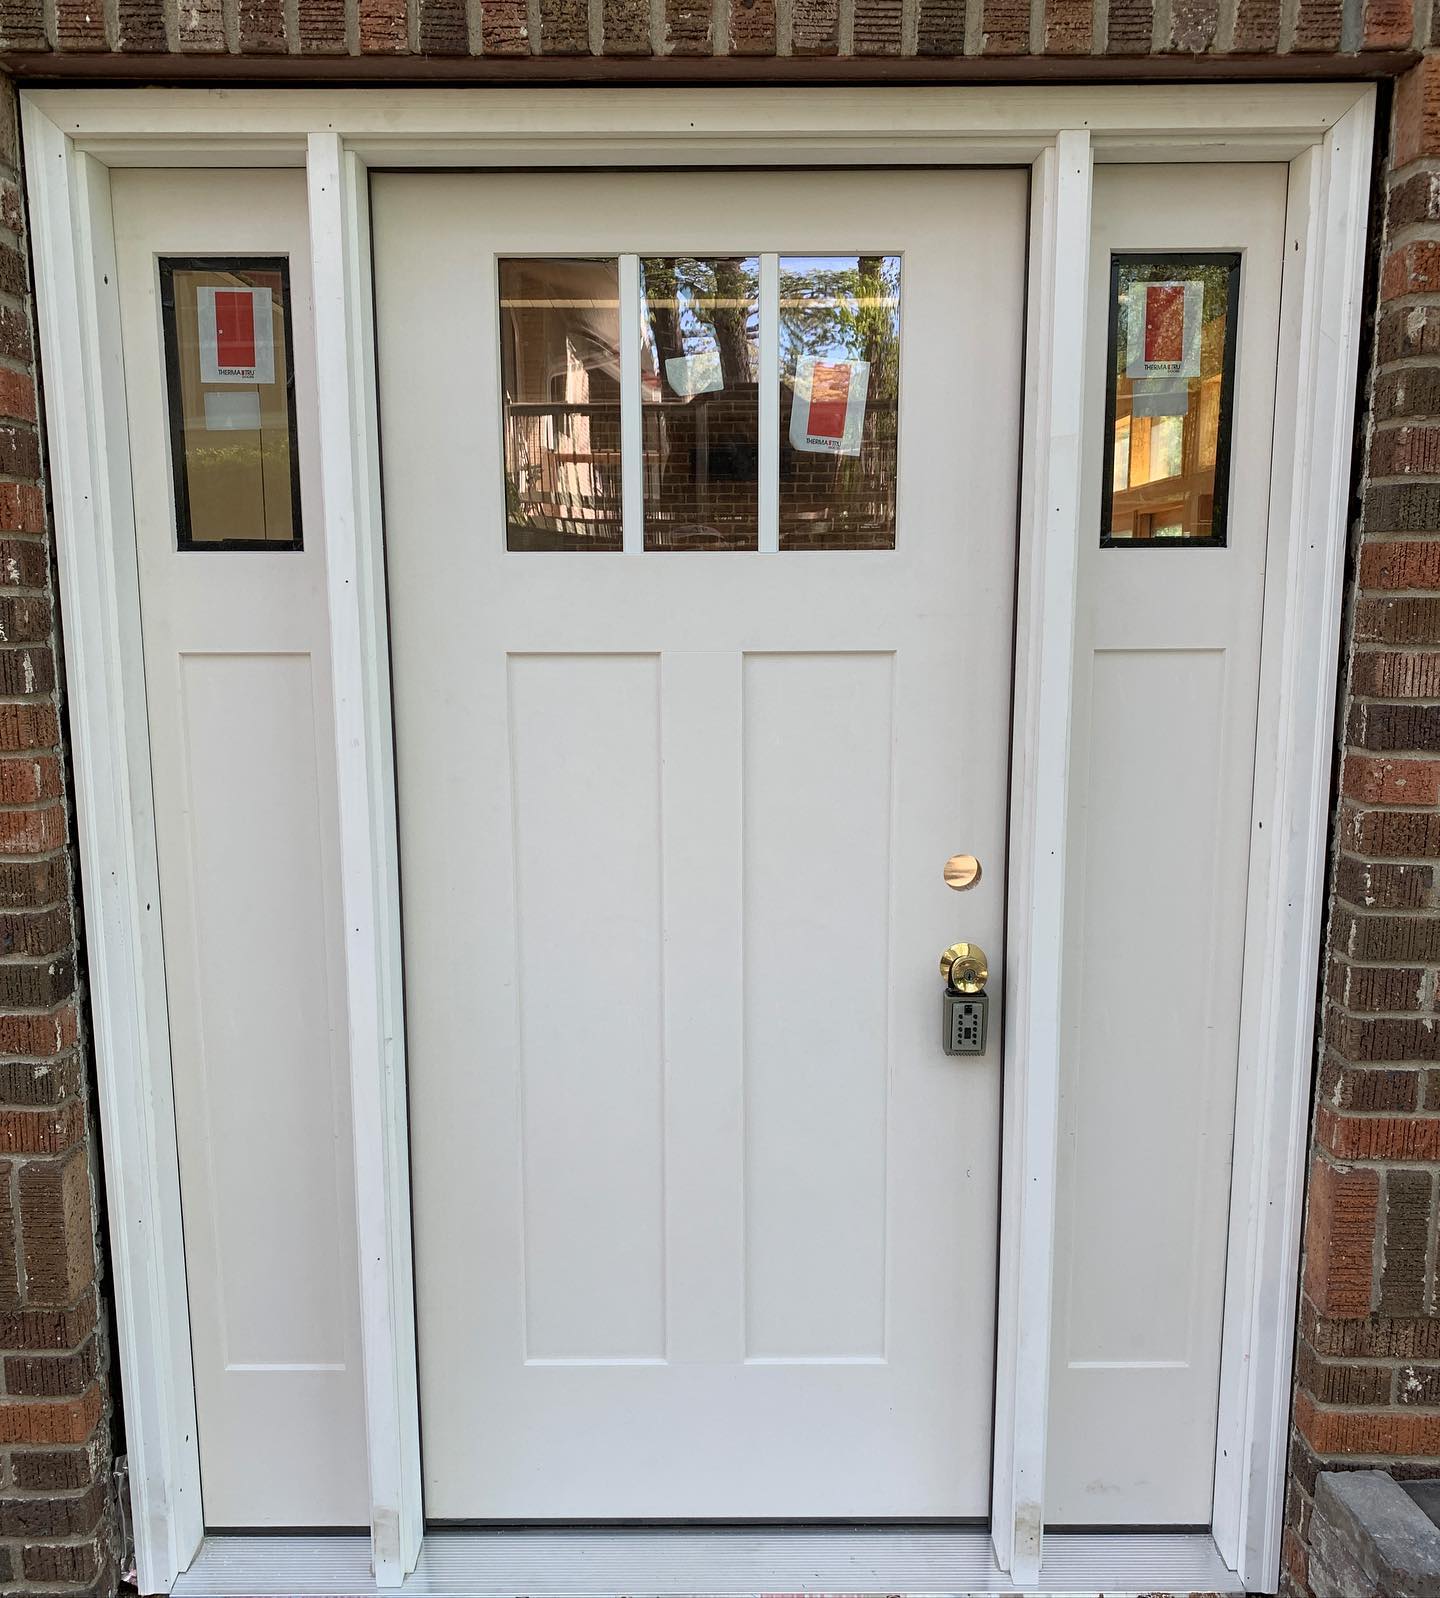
829 328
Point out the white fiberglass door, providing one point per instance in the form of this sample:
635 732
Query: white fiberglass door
700 518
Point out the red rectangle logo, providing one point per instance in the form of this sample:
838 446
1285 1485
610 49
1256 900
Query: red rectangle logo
829 400
1164 323
235 327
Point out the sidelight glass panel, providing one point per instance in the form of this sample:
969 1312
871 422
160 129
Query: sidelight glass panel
560 367
229 370
699 370
1171 371
839 393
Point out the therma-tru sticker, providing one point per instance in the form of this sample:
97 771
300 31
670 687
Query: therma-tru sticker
237 335
829 410
1164 336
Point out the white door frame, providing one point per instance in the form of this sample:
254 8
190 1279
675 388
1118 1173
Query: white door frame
1324 132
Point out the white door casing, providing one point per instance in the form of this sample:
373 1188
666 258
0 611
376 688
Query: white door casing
705 1218
72 136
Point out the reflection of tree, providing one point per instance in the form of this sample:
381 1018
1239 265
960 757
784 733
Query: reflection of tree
848 311
696 305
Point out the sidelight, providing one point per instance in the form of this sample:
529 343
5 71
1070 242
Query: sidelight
230 377
1170 381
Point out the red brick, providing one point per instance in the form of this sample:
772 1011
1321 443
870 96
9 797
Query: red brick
383 27
752 27
1403 452
32 831
57 1229
1129 27
625 27
260 26
564 27
1412 269
444 28
40 1036
1378 988
1257 27
1068 27
58 1330
1330 1383
22 25
49 1131
1381 885
1375 781
22 508
1406 563
50 1376
1340 1231
1193 24
1005 27
1416 122
1361 1433
25 727
1343 1086
321 26
80 25
1388 24
814 25
51 1421
878 27
1378 1137
504 28
1391 674
688 25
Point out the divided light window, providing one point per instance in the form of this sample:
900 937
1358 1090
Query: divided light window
700 403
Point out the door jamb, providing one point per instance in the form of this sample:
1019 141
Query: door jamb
71 137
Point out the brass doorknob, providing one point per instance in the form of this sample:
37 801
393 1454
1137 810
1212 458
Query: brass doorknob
965 967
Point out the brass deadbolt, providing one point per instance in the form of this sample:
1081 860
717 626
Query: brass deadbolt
965 967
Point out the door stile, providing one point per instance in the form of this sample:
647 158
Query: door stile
369 854
1044 651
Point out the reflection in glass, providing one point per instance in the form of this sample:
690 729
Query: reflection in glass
229 374
560 366
839 387
1170 373
699 362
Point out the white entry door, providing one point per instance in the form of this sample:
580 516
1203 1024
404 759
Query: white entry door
700 518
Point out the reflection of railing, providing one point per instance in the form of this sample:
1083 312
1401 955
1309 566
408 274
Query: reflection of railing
699 457
562 475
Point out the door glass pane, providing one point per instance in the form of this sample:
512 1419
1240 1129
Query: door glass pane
839 386
1171 370
700 324
231 389
560 365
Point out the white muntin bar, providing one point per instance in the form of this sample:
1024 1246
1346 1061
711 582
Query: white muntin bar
768 419
632 453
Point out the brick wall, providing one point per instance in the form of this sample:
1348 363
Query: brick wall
57 1528
252 37
1368 1358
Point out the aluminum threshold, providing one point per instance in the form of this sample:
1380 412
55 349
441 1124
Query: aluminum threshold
668 1564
